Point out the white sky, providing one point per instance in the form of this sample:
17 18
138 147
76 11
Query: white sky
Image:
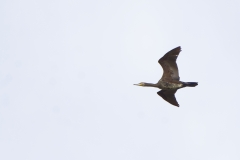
67 70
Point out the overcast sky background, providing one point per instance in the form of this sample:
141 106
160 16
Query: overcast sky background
67 70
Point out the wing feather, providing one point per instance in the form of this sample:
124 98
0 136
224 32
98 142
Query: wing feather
169 65
169 96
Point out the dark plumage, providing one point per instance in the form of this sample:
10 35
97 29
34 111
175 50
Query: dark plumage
169 83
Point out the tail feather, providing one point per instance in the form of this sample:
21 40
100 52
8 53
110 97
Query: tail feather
190 84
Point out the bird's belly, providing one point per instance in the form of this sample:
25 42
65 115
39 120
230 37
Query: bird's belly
170 85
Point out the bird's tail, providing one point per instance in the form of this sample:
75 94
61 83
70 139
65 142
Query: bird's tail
190 84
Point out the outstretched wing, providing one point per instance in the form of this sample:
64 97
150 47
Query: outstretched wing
169 65
168 95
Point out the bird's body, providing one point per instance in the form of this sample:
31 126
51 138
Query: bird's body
169 83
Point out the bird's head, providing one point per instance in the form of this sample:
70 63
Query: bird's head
140 84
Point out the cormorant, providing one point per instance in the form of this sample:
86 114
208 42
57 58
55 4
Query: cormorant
169 83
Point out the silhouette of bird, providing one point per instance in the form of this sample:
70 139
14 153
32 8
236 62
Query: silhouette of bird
169 83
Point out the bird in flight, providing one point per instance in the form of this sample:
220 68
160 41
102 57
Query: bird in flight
170 81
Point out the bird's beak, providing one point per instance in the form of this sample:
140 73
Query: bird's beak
139 84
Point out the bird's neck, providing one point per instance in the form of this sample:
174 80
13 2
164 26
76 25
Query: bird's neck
150 85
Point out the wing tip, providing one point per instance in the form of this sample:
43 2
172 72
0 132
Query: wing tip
179 48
